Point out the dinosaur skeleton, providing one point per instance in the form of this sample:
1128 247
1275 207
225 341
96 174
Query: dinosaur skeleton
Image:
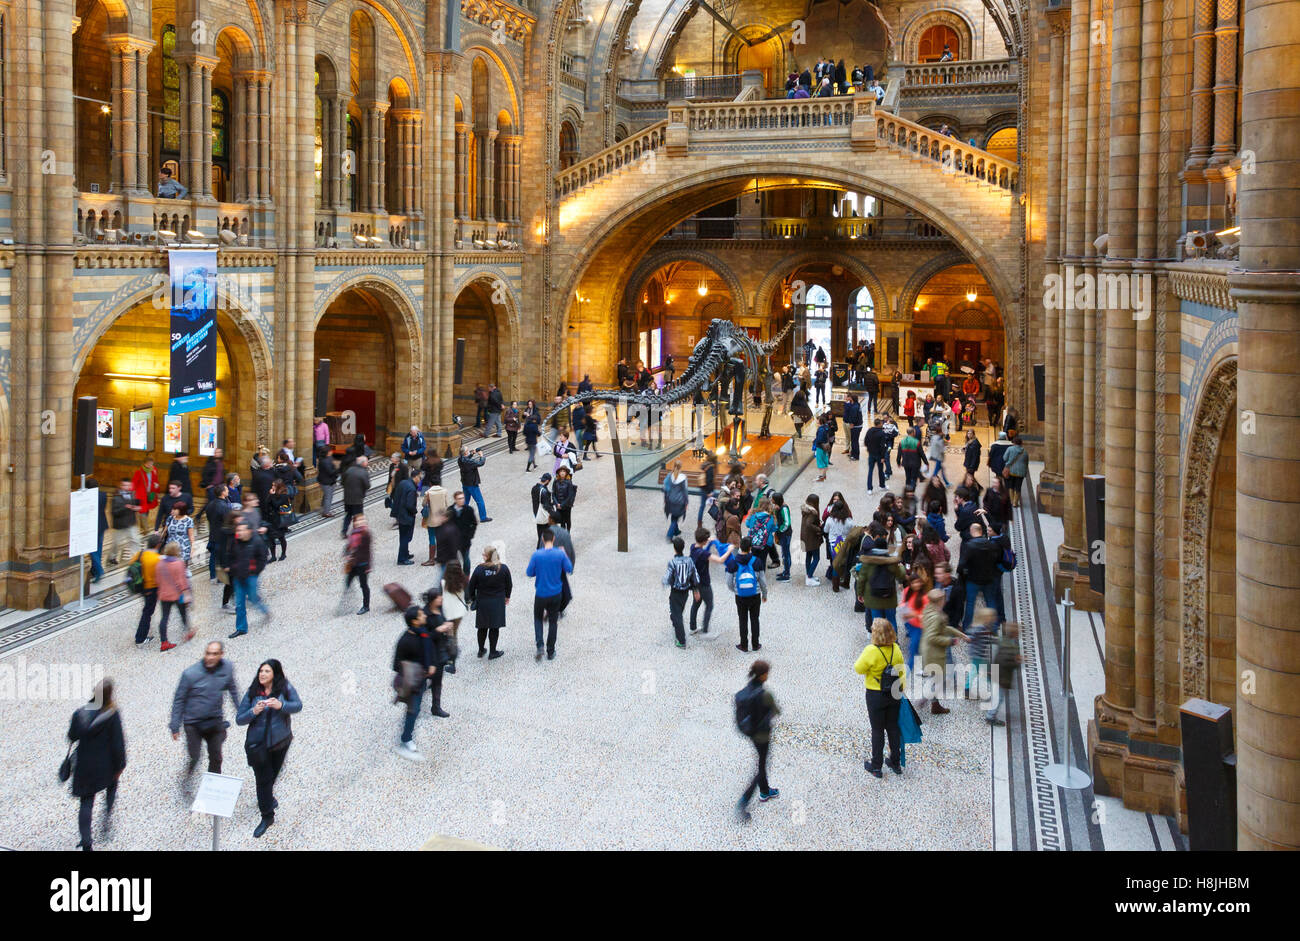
722 359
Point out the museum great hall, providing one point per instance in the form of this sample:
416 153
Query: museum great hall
1099 195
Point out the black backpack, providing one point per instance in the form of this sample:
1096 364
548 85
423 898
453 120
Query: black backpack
749 709
882 580
135 575
888 677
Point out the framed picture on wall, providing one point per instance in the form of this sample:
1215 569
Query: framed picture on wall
140 429
174 427
210 435
106 427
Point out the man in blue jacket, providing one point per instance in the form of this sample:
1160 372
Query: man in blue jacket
405 505
548 566
413 448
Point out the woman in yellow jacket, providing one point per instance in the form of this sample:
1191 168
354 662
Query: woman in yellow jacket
883 704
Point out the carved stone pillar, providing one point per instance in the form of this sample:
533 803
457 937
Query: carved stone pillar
485 143
1049 492
1202 84
1225 84
196 122
373 198
462 171
341 166
128 63
514 143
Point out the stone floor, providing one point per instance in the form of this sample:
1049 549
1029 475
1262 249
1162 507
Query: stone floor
623 741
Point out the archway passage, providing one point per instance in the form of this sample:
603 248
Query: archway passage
824 298
956 318
363 337
127 371
670 310
478 326
1221 581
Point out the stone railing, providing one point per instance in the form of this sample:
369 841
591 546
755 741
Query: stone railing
469 235
115 219
969 72
627 151
749 228
725 119
950 154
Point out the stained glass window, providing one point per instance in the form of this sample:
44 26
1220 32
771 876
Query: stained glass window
171 86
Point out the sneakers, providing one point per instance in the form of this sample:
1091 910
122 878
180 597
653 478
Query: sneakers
742 813
365 609
743 648
409 751
550 655
812 582
538 656
189 635
783 577
770 795
167 645
229 609
992 719
496 653
680 645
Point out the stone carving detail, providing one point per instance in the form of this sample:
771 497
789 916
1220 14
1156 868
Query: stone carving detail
515 23
1202 287
1216 413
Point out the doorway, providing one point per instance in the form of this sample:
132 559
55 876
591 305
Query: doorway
968 351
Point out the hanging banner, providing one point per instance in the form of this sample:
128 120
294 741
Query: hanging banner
193 330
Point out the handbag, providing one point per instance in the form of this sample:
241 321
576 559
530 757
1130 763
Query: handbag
223 574
542 517
68 764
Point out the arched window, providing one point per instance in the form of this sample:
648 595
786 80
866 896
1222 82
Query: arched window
568 145
817 317
220 145
171 89
320 146
354 192
862 318
930 47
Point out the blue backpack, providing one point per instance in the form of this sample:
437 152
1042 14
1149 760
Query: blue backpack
746 580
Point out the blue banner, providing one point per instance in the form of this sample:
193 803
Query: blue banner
193 330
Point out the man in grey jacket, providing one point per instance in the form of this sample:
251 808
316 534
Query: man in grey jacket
356 481
197 706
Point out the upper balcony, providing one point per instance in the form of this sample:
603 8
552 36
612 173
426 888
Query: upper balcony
955 79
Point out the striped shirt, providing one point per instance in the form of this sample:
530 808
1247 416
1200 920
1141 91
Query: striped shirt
681 574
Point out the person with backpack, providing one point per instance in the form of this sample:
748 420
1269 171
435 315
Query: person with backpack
746 579
755 709
412 667
784 532
878 575
1015 468
142 579
762 531
704 551
682 578
124 533
99 759
979 567
676 499
883 670
822 443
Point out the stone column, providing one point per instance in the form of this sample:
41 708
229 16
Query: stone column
196 107
244 144
263 137
1050 482
1267 292
338 143
127 53
143 165
1202 84
515 143
1225 84
373 199
1125 665
462 171
1072 560
486 141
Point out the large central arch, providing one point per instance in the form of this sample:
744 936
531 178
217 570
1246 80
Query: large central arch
601 248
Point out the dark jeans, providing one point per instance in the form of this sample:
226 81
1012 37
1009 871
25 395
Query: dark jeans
810 561
541 528
362 574
889 614
785 550
550 608
747 611
266 769
404 533
214 555
676 605
855 443
992 592
214 739
510 440
88 807
759 782
350 510
166 613
871 403
146 616
706 599
912 475
412 710
882 710
875 466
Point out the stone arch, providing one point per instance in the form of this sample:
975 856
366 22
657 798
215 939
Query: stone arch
1214 418
954 19
402 308
247 319
235 39
907 297
508 77
653 261
977 315
489 288
771 283
399 20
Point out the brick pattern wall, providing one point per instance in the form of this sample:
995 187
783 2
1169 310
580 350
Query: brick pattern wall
358 342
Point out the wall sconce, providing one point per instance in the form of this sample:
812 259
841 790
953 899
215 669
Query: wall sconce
105 109
970 297
135 377
360 240
703 289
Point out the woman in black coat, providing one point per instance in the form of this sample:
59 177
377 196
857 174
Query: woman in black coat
565 492
265 709
971 458
488 593
100 756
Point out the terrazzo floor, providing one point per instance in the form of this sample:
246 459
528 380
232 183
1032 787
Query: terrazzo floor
622 742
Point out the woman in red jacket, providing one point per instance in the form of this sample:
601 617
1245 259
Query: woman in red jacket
148 490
